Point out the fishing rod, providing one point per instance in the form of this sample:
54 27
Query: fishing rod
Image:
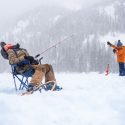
53 46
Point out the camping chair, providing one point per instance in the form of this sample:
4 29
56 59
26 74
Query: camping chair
22 77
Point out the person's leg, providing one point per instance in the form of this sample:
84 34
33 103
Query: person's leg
49 75
41 71
39 74
50 79
121 69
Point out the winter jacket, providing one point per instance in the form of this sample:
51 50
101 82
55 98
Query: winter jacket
16 56
120 52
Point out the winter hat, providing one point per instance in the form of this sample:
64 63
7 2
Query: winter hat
2 44
119 43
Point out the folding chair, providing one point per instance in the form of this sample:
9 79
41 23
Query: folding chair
22 77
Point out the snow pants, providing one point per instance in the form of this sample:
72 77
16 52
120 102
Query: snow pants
121 69
41 72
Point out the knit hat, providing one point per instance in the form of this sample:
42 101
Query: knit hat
119 43
2 44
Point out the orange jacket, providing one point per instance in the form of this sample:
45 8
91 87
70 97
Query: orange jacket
120 51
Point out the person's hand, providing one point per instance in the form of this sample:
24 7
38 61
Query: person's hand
32 60
114 50
17 46
28 57
108 43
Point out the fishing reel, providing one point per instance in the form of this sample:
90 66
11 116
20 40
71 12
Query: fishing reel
39 60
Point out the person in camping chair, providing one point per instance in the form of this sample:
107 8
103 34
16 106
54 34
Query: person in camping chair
16 55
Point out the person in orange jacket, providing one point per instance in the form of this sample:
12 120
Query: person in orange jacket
120 52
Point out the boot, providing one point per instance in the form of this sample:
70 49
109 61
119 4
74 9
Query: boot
30 87
52 85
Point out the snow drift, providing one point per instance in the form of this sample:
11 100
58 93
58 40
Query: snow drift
87 99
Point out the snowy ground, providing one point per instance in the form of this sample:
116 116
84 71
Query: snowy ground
87 99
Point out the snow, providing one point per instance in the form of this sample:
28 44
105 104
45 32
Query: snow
57 18
87 99
21 25
113 38
108 10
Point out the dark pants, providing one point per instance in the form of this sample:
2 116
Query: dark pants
121 69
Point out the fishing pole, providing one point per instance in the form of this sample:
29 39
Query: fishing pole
53 46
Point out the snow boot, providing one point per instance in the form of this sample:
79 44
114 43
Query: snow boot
51 85
30 87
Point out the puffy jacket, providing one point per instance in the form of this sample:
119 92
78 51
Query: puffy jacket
120 51
16 56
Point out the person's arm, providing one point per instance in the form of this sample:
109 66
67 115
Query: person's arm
113 46
120 52
12 57
109 44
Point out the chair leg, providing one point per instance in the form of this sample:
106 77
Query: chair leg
23 83
15 83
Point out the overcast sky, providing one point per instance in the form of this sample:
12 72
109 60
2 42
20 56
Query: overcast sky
12 8
8 7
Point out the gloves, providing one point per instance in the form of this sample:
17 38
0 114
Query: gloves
32 60
17 46
108 43
114 51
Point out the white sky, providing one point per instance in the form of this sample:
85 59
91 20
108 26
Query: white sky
12 8
17 6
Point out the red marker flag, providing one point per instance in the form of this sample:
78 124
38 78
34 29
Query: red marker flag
107 70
